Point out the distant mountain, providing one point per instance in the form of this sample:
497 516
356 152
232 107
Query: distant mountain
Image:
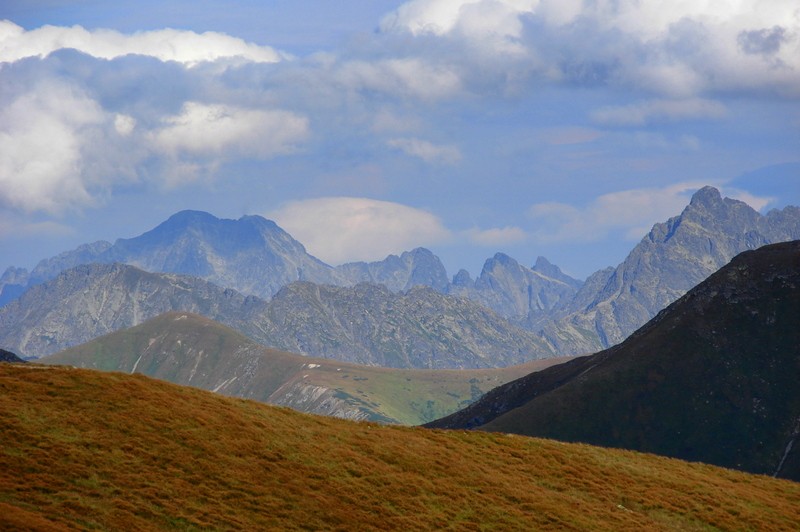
671 259
365 324
420 328
88 301
8 356
13 283
251 255
254 256
91 450
526 296
711 378
418 267
189 349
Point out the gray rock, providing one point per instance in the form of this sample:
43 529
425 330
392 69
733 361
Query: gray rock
674 257
367 324
418 267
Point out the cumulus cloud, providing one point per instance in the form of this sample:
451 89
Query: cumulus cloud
496 23
642 113
678 49
405 77
167 45
498 236
344 229
203 130
427 151
43 135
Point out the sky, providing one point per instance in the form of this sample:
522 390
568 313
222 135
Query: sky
560 128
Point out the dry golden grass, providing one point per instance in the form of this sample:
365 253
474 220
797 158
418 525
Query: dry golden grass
89 450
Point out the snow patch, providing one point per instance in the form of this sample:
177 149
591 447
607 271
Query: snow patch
224 383
136 364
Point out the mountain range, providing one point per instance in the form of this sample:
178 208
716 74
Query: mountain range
365 324
189 349
712 378
91 450
671 259
253 276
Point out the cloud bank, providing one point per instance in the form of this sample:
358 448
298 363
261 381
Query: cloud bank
185 47
338 230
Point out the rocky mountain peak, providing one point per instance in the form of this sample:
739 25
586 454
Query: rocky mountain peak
707 196
548 269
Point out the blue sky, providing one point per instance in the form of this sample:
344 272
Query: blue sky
532 127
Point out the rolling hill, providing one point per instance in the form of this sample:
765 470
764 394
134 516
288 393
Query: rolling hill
711 378
189 349
83 449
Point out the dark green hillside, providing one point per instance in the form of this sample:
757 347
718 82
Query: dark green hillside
713 378
89 450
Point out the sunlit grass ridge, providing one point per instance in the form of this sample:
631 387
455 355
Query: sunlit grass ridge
91 450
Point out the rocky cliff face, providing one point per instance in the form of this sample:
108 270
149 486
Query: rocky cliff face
523 295
92 300
418 267
420 328
671 259
367 324
251 255
711 378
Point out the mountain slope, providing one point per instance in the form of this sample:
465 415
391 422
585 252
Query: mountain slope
91 450
712 378
671 259
365 324
191 350
523 295
8 356
251 255
92 300
420 328
412 268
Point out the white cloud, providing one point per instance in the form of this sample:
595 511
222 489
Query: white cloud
124 124
643 113
203 130
43 134
427 151
756 202
678 49
343 229
167 45
499 236
406 77
633 212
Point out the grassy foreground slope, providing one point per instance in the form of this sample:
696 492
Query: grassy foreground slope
82 449
189 349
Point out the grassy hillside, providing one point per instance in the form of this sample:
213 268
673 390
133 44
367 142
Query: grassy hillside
83 449
189 349
713 378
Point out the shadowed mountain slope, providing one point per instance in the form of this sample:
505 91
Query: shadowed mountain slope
84 449
711 378
192 350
